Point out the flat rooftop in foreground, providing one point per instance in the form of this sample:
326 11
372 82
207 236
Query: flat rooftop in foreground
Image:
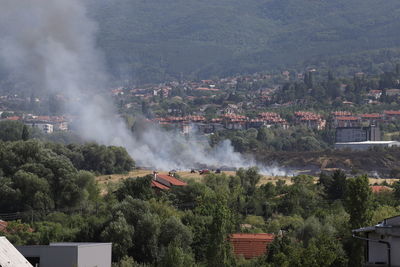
365 145
370 143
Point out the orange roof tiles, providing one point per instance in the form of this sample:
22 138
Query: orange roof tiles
392 112
170 180
380 188
251 245
371 116
158 185
13 118
347 118
375 91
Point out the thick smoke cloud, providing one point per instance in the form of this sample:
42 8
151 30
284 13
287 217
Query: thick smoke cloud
51 45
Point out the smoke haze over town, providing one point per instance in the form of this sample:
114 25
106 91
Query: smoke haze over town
52 47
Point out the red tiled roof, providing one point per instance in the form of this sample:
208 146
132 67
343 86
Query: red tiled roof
347 118
392 112
158 185
380 188
170 179
373 115
250 245
375 91
13 118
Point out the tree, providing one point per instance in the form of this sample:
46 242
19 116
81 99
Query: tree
25 133
323 250
358 201
174 232
120 233
139 188
11 130
218 251
249 179
176 256
335 185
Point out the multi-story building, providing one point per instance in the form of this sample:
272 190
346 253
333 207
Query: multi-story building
44 127
357 134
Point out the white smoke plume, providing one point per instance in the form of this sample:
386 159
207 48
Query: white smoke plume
52 45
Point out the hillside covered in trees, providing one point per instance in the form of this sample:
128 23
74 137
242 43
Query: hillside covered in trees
156 40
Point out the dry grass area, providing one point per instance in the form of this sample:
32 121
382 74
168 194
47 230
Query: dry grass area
185 175
379 181
112 180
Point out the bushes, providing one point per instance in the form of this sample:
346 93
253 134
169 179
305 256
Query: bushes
41 176
97 158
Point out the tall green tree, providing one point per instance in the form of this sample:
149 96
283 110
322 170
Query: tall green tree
358 202
25 133
218 252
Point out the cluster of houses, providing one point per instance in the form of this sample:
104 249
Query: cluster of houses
310 119
47 124
347 119
232 121
188 124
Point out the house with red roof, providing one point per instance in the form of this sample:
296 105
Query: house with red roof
341 113
376 189
392 92
163 180
251 245
13 118
376 94
392 114
158 185
310 120
371 118
347 121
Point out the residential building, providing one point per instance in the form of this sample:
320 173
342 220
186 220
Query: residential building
167 180
382 242
370 119
392 92
375 94
346 121
392 114
357 134
44 127
377 189
341 114
251 245
68 254
310 120
232 109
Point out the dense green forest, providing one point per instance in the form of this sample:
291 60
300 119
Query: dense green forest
157 40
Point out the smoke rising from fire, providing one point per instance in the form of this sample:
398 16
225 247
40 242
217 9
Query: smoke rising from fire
52 46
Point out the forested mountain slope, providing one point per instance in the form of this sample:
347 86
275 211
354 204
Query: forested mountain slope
157 39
